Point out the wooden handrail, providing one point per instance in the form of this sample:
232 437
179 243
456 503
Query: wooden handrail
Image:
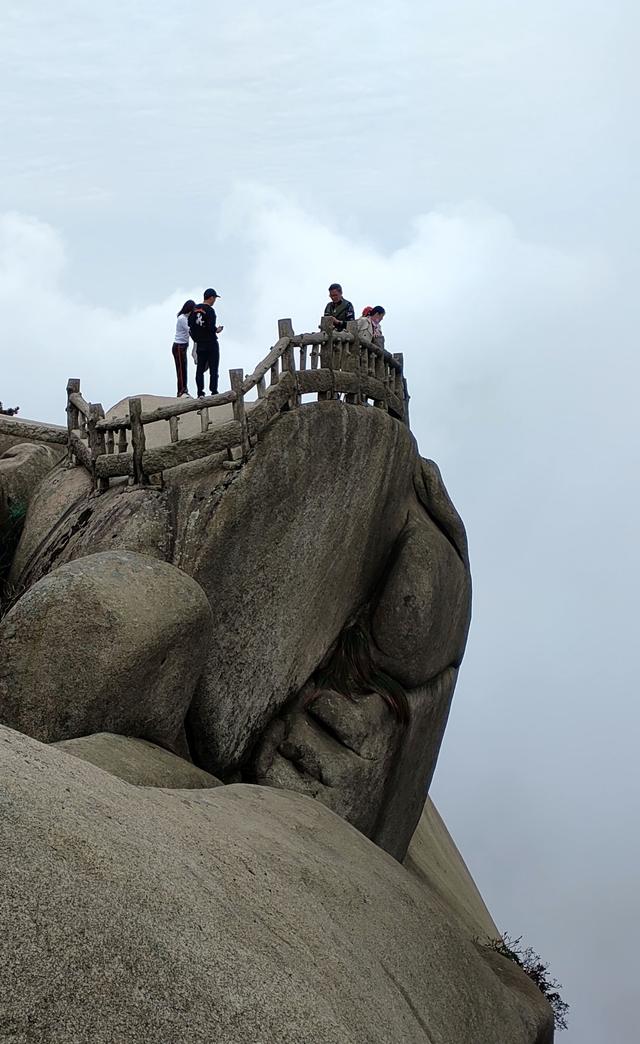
261 369
35 432
167 412
76 399
342 363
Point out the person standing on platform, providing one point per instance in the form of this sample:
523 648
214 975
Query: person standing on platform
338 308
180 347
203 329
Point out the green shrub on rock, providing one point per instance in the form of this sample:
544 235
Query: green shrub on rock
533 966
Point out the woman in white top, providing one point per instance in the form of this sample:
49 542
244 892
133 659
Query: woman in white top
181 345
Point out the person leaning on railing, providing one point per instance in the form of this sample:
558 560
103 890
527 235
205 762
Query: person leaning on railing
369 324
338 308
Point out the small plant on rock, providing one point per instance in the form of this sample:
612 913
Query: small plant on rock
533 966
8 544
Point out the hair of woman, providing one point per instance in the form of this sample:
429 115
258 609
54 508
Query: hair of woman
377 310
187 308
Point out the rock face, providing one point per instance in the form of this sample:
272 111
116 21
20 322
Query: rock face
49 511
434 859
138 761
228 915
22 467
66 523
114 642
296 624
422 617
334 526
288 553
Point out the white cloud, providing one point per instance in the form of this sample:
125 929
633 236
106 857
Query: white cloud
466 298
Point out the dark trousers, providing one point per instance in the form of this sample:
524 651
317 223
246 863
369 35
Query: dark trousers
208 356
179 352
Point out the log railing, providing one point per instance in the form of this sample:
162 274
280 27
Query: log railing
327 365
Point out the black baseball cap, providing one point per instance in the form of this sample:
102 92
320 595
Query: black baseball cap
209 293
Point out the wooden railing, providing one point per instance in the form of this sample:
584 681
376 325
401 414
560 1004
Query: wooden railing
327 364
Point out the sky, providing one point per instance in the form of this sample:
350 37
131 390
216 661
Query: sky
473 167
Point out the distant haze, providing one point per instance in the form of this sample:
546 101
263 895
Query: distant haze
474 168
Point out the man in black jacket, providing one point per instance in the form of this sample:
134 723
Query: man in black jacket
338 308
203 329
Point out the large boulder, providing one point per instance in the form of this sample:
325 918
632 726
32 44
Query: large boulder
434 497
337 750
354 756
421 619
114 642
224 916
22 468
434 859
137 761
66 521
333 522
286 553
50 508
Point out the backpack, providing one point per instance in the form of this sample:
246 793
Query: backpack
198 325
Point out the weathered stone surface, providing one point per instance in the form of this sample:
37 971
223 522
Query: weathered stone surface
337 750
22 468
414 763
138 761
432 494
334 517
114 642
223 916
422 617
123 519
357 759
48 511
286 554
434 859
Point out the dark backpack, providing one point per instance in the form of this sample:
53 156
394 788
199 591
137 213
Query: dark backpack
199 325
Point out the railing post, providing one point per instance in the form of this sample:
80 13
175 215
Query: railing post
285 328
73 385
326 351
354 350
236 378
173 428
289 360
137 441
96 443
406 398
397 385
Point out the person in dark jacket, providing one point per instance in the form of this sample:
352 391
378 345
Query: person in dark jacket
203 330
338 308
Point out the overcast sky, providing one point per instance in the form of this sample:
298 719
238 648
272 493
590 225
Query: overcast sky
474 168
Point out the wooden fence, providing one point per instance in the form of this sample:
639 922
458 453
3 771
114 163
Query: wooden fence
327 365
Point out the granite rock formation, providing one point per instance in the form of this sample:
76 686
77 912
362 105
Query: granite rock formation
114 642
222 699
333 533
231 915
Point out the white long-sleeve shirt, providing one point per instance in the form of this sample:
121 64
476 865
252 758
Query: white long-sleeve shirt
182 330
